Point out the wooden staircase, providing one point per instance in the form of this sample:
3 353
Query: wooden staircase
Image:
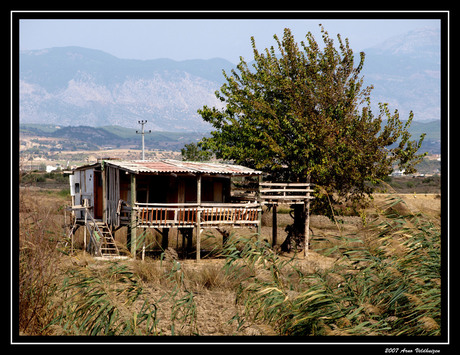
102 242
108 248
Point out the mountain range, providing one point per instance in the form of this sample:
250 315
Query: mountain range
406 73
94 138
74 86
80 86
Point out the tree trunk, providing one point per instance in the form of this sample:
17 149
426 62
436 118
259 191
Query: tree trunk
296 231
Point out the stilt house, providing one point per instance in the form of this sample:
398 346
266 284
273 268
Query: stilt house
156 194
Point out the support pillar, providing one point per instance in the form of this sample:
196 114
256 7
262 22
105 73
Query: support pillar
165 239
132 226
84 233
274 225
198 217
259 214
307 226
307 219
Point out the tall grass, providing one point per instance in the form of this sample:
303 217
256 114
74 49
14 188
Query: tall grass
104 302
39 235
386 281
183 310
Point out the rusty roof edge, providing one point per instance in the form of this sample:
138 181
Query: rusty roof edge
129 168
243 169
135 166
86 166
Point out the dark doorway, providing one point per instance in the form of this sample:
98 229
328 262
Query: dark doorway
98 195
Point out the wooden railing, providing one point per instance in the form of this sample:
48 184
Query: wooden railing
274 192
166 215
182 215
237 215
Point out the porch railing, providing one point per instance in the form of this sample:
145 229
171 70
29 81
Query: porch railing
185 215
238 215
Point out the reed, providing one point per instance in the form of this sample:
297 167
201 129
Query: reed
39 261
183 310
386 281
104 302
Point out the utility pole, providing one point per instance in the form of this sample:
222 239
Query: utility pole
142 122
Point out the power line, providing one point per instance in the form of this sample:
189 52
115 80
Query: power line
142 122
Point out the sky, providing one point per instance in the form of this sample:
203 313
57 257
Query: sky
200 39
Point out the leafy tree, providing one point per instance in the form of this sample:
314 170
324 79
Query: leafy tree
192 152
303 113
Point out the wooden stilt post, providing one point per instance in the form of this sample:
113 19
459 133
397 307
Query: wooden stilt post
165 238
132 225
259 214
84 233
274 225
307 220
198 217
143 244
307 226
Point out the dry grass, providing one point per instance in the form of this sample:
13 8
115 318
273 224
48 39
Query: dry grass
367 290
39 260
428 204
204 287
224 293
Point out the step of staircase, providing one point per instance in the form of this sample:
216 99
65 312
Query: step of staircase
108 247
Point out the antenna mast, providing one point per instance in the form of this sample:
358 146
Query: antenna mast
142 122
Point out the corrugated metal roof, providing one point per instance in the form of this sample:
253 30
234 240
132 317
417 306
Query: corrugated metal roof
176 166
87 166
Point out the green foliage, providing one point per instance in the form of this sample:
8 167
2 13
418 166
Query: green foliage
33 177
304 112
384 282
191 152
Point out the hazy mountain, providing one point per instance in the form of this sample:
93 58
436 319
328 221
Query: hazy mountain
79 86
406 73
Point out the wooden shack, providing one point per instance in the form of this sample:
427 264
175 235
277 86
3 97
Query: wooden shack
159 194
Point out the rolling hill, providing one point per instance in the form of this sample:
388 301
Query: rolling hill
87 137
93 138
